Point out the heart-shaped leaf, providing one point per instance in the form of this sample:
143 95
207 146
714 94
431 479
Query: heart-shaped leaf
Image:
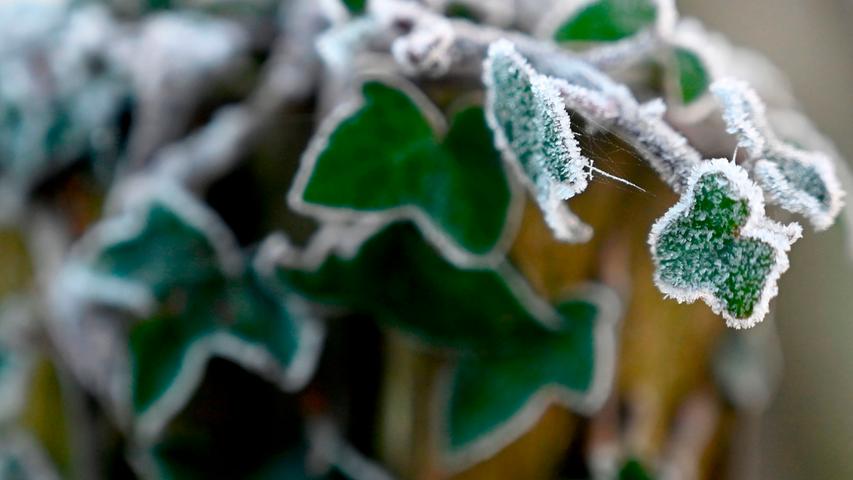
199 300
606 20
518 353
800 181
496 396
383 161
717 245
533 131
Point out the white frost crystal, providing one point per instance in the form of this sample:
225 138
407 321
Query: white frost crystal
798 180
716 244
533 131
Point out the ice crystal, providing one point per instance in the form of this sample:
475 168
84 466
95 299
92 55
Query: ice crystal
717 245
798 180
609 105
533 131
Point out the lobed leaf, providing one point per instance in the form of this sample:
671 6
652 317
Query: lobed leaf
382 161
201 301
797 180
717 245
496 396
533 131
518 354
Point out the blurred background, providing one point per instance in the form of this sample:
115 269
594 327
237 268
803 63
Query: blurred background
807 431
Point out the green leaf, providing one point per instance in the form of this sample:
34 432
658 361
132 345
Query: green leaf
633 469
497 396
383 160
533 131
693 77
716 244
204 301
606 20
355 6
403 281
516 351
798 180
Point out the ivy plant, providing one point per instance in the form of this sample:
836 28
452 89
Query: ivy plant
193 296
716 244
534 133
455 190
206 188
492 399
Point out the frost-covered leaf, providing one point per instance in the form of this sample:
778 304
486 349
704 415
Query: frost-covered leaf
716 244
383 161
606 104
502 330
605 20
418 292
61 96
800 181
173 264
496 396
533 131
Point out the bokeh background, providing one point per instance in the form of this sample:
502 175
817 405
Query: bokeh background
807 432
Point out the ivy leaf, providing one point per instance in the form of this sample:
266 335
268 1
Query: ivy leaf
65 109
797 180
717 245
495 397
194 297
693 75
606 20
419 292
456 191
517 352
533 131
